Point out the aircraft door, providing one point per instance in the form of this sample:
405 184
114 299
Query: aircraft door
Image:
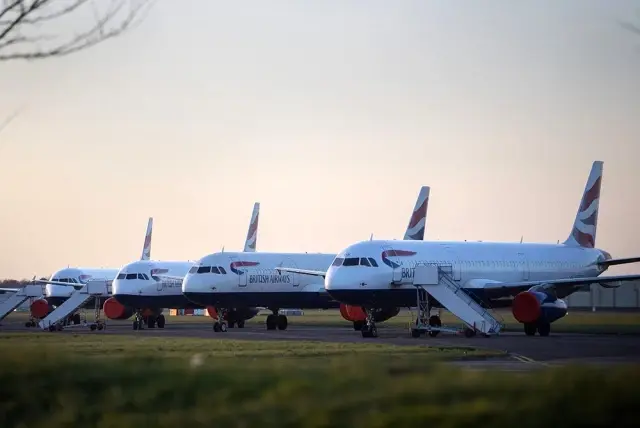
393 263
238 270
524 266
452 257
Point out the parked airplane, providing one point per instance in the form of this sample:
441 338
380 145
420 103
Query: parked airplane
468 277
143 288
253 279
65 281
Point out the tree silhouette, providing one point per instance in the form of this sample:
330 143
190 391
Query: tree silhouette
25 25
633 27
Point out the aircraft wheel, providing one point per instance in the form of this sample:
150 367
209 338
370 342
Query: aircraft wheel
544 328
283 322
92 327
223 327
151 322
529 329
415 332
160 321
240 324
357 325
469 332
216 326
271 322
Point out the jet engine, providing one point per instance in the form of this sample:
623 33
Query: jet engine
357 315
114 310
40 308
537 308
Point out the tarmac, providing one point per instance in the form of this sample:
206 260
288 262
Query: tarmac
523 352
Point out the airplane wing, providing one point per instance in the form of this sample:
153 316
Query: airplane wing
66 284
614 262
562 287
321 273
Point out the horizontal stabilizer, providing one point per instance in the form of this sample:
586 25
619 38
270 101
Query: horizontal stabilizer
624 261
303 271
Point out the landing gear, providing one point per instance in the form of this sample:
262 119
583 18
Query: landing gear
542 327
369 328
276 320
434 321
240 324
357 325
160 321
138 321
220 326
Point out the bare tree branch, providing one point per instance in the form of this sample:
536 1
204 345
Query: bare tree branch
630 26
21 22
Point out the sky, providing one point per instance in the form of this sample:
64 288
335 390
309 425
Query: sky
331 114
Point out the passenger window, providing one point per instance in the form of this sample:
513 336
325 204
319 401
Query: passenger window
337 261
132 276
121 276
364 262
214 269
204 269
222 271
193 269
351 261
373 262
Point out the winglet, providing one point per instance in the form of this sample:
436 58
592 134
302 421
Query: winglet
418 220
583 233
252 233
146 248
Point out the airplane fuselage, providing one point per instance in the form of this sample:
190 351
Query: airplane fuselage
252 279
475 266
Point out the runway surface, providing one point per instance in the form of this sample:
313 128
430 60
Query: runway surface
524 352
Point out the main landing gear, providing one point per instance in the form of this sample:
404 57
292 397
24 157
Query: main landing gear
276 320
368 329
542 327
151 321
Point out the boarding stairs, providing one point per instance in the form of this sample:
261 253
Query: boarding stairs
437 281
18 298
93 289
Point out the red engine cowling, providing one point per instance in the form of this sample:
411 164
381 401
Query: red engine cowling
533 306
40 308
114 310
356 313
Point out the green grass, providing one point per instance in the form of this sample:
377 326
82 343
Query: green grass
215 350
574 322
341 386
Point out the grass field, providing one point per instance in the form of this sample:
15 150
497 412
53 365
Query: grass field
69 380
574 322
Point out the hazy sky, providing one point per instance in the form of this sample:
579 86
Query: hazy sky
330 113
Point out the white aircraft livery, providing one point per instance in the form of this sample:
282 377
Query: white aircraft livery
238 280
65 281
145 287
468 278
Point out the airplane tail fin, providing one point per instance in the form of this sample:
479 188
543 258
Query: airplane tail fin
252 233
418 220
583 233
146 248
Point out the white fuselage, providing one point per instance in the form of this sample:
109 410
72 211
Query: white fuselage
474 265
141 284
57 294
251 279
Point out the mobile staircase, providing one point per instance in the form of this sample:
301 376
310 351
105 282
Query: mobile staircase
19 297
437 281
56 320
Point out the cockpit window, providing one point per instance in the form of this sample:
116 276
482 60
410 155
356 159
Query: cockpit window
204 269
214 269
132 276
222 271
121 276
337 261
364 262
372 261
193 269
351 261
140 276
